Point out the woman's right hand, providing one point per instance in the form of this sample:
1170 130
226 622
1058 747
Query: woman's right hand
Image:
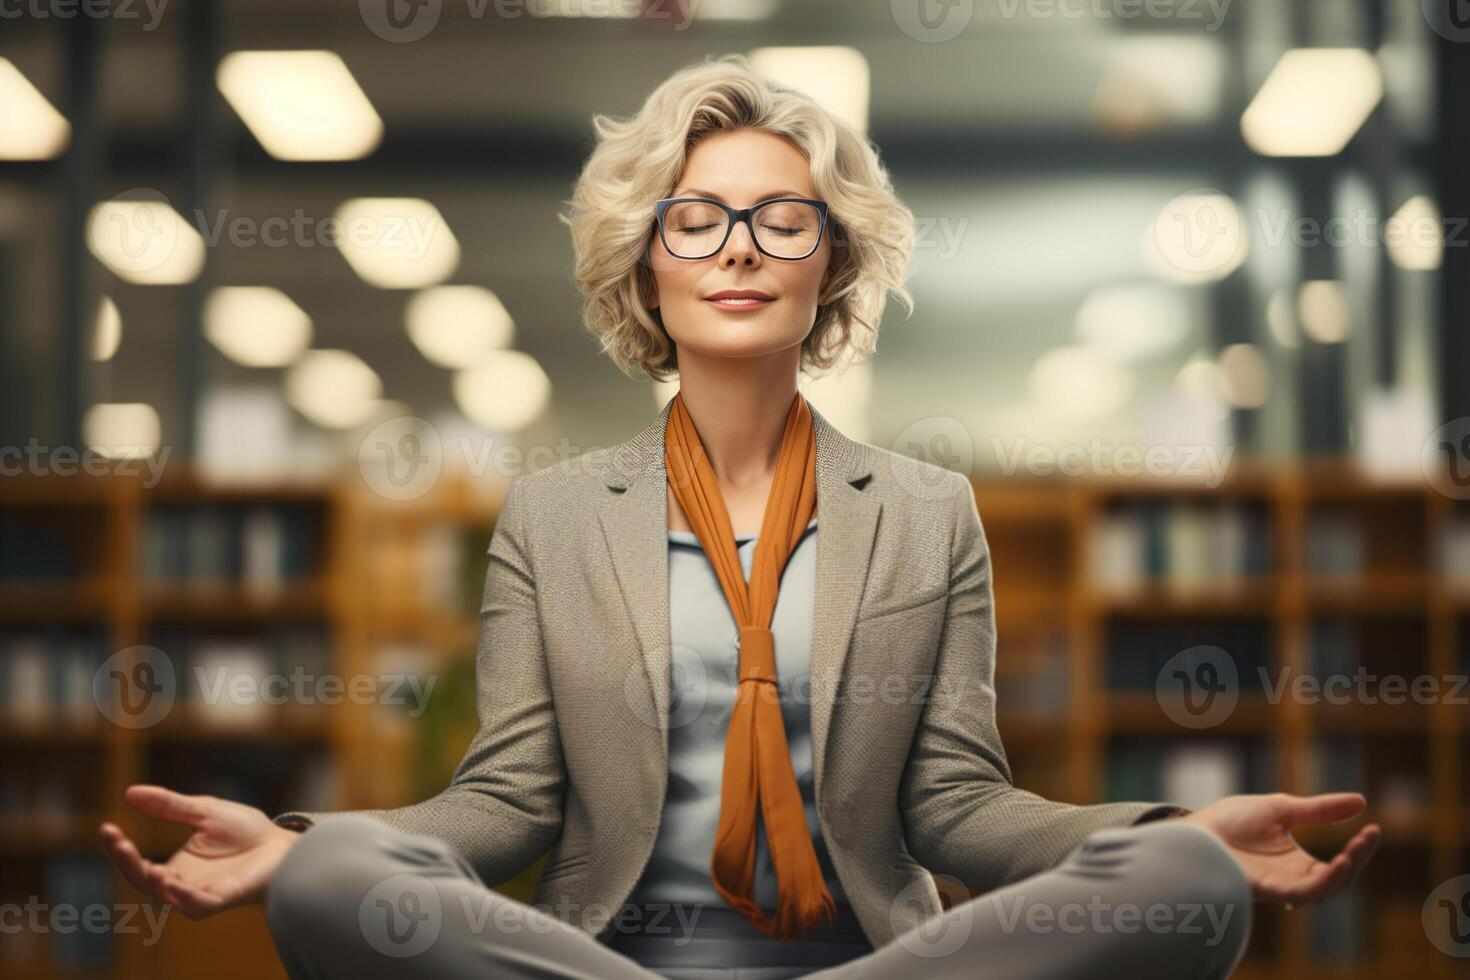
227 861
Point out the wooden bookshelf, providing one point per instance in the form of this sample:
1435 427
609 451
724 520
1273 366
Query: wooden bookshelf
1411 617
1064 726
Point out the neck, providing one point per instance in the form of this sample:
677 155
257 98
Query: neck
739 407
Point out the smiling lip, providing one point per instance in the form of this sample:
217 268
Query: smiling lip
739 299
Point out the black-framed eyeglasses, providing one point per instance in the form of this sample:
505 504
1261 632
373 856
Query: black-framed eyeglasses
787 228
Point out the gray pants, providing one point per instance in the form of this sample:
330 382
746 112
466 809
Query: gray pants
355 898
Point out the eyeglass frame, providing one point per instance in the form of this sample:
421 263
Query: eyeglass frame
734 216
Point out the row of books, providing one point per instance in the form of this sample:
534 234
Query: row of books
1139 654
240 680
1188 772
1031 678
47 676
259 546
33 550
74 882
59 678
44 805
1181 543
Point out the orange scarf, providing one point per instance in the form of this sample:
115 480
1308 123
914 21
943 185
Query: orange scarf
757 759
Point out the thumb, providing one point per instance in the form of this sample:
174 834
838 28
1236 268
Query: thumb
1322 808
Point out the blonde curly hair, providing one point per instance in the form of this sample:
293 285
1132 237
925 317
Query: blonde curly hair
638 160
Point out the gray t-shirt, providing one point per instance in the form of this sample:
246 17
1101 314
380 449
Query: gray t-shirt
705 666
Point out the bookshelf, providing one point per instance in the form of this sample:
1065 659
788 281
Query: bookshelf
1322 569
1302 572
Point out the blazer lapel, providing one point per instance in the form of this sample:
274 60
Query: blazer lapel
635 525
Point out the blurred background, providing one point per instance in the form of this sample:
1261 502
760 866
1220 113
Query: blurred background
285 304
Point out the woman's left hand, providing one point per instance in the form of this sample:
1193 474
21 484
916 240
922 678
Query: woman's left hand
1257 830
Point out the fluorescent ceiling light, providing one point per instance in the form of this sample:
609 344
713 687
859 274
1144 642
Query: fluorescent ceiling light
300 105
1313 102
122 430
1133 322
1416 235
145 242
836 77
106 330
1196 237
1323 311
333 388
30 127
257 326
1074 382
397 242
504 392
456 326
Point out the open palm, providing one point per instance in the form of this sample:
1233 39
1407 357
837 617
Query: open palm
1257 829
227 861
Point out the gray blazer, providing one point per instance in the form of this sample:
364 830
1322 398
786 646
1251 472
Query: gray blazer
573 675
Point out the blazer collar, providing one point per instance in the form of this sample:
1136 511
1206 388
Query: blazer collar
634 521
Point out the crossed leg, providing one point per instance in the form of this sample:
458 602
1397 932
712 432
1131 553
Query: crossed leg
356 898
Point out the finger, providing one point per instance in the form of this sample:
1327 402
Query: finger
125 855
158 878
165 804
1322 808
1362 848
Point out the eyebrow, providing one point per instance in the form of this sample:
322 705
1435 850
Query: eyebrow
696 192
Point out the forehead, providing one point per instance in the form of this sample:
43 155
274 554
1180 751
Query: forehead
742 165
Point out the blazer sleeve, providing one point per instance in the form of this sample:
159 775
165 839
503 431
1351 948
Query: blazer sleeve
503 806
962 814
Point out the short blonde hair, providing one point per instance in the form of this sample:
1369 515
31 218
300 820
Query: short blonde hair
638 160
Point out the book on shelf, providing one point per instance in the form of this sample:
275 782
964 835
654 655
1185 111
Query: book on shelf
1185 544
1334 545
47 676
259 546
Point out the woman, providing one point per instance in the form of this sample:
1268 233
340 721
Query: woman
641 687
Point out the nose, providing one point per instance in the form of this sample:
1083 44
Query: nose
740 246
